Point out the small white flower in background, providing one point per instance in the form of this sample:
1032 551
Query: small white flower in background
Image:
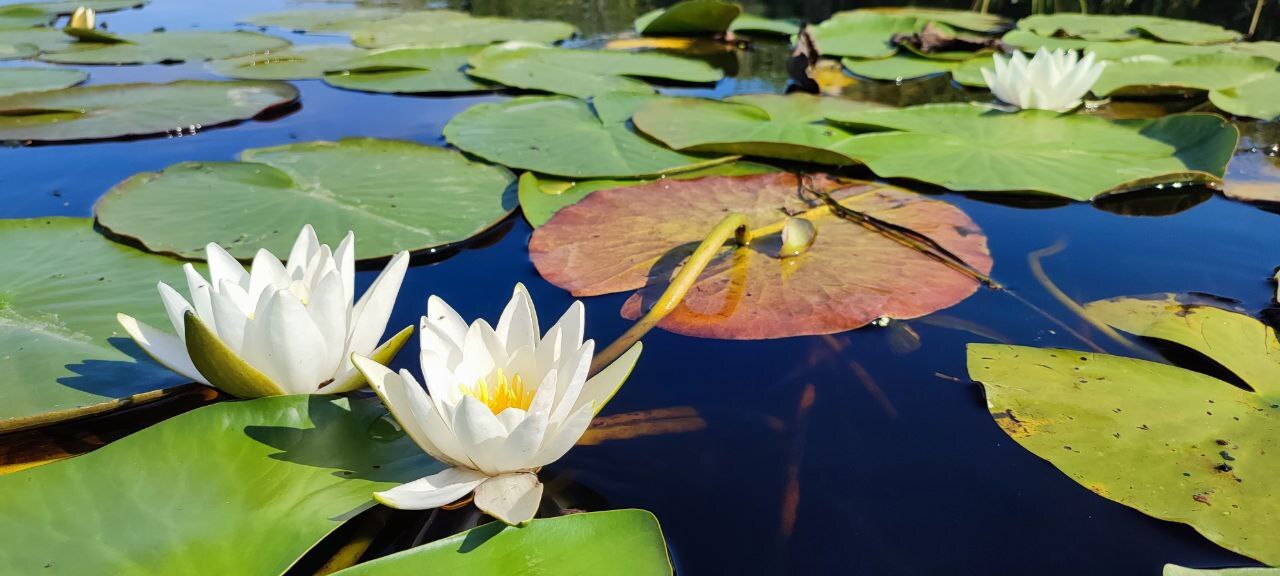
83 17
1056 81
503 403
280 329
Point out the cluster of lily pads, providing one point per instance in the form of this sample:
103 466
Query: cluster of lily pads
734 218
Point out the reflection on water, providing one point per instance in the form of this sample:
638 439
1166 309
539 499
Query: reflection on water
867 452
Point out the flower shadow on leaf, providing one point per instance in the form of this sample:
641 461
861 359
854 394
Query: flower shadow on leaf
121 378
351 443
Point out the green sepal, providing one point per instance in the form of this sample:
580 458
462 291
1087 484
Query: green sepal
221 366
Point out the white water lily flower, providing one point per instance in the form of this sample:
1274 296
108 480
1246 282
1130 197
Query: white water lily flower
1056 81
281 329
503 403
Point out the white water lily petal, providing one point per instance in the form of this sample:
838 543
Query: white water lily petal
294 343
223 267
482 351
229 315
447 327
370 316
601 387
560 438
572 328
166 349
397 392
573 375
305 246
175 306
267 272
199 290
480 433
345 260
445 389
328 311
518 326
523 442
433 491
511 498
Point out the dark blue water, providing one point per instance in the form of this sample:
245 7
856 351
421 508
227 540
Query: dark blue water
894 467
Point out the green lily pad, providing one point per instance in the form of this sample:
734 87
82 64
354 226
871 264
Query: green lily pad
565 136
410 70
19 80
861 34
792 127
584 73
446 29
634 237
1208 72
752 24
967 148
294 63
1108 27
1174 570
61 285
1255 98
322 20
908 67
66 7
156 47
394 195
24 16
1105 50
963 19
1176 444
18 51
33 41
612 543
689 18
110 111
542 197
300 465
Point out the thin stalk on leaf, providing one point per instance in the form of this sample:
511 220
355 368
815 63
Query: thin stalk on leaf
1037 270
732 227
1257 14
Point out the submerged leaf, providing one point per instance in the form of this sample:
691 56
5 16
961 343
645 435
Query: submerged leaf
565 136
1175 444
583 73
115 110
394 195
299 465
611 543
633 238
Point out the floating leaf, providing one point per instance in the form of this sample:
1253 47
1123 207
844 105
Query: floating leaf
968 148
963 19
1106 50
298 465
1174 570
17 51
612 543
61 285
446 28
565 136
410 70
1108 27
321 20
750 23
29 42
689 18
792 127
1255 98
907 67
583 73
542 197
632 238
24 16
1175 444
18 80
1208 72
862 34
110 111
155 47
395 196
295 63
66 7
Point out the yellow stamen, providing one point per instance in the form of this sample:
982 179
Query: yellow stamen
499 393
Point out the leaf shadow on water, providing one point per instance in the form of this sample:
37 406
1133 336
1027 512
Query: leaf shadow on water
121 378
356 443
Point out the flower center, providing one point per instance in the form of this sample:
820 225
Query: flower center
499 393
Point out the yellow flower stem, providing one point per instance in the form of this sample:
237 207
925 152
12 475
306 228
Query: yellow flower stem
732 227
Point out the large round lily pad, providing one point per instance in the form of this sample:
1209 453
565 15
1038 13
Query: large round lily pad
323 19
861 34
792 127
967 148
584 73
962 19
66 7
409 70
1173 443
154 47
1111 50
24 16
689 18
234 488
19 80
25 43
295 63
632 238
565 136
446 28
612 543
394 195
1255 98
1116 27
110 111
61 285
1207 72
542 197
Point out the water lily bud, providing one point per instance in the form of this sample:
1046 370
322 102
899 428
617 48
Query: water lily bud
798 235
83 17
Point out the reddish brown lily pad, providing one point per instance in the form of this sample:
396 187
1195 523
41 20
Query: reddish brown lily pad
635 238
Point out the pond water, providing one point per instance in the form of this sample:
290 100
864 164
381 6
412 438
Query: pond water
867 452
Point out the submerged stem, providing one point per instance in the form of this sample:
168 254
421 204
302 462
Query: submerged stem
732 227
